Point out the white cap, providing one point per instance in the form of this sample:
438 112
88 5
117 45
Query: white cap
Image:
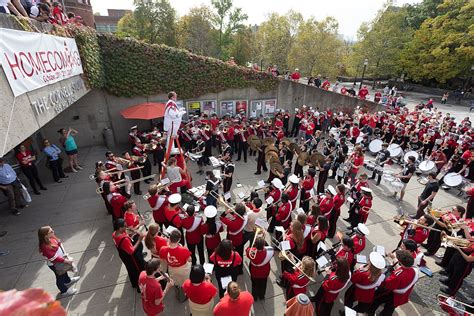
294 179
331 190
366 189
175 198
377 260
277 183
134 127
210 211
363 229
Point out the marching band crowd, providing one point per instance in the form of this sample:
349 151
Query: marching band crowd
290 214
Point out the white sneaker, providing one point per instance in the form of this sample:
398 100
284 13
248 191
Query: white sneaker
79 167
73 280
73 170
69 292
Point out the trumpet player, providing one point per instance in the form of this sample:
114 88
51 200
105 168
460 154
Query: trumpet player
259 266
307 184
158 201
415 231
134 174
115 199
235 227
434 239
298 281
140 151
459 267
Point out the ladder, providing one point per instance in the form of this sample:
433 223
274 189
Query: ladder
169 146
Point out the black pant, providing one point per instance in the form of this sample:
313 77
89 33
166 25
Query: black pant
295 129
200 247
323 177
385 298
61 280
322 308
32 174
259 287
434 240
458 269
298 170
333 216
135 174
240 251
57 169
146 170
261 161
242 147
349 301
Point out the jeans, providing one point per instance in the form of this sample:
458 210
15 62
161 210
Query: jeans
57 169
61 280
13 192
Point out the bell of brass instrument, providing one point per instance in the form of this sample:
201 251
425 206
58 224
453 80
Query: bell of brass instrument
253 251
207 127
437 212
139 159
457 241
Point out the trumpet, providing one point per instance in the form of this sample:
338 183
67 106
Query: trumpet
160 186
94 176
122 183
454 241
207 127
221 200
400 221
253 251
150 146
437 213
293 260
457 305
123 161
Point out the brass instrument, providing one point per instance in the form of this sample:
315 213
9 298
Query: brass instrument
207 127
293 260
317 159
303 159
159 186
94 176
455 241
138 159
123 161
122 183
150 146
125 170
460 307
267 141
437 213
402 220
271 156
221 200
253 252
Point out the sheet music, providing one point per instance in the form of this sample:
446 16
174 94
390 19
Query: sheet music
269 200
361 259
285 245
208 267
225 281
322 261
241 195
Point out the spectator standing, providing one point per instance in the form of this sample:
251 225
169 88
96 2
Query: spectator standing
58 13
235 302
55 161
200 291
68 142
26 160
444 99
295 76
58 261
10 185
150 288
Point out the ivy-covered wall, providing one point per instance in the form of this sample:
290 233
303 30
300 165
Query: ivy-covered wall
134 68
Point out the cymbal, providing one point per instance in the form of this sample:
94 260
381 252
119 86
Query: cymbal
270 155
317 158
271 148
276 166
268 141
286 141
303 158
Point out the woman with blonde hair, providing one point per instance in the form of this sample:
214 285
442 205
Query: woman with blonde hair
57 260
299 279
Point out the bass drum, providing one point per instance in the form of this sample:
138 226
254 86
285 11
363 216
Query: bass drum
375 146
427 166
411 153
395 150
452 179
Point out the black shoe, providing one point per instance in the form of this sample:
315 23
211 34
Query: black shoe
265 169
440 263
147 181
445 281
37 192
445 290
237 159
425 245
59 181
138 193
347 219
3 233
245 161
428 254
443 272
65 176
16 212
44 189
257 173
280 282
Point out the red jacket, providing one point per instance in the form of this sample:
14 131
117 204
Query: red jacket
307 185
260 266
298 281
172 217
332 287
345 254
284 215
359 244
401 282
364 287
338 201
116 200
365 205
235 229
326 205
192 226
293 193
212 241
158 203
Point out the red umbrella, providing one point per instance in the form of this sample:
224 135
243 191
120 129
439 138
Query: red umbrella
144 111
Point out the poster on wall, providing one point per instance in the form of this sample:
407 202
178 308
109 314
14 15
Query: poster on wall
227 108
256 107
269 107
194 108
241 107
209 107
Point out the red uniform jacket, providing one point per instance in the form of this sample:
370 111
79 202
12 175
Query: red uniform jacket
192 226
260 266
158 203
421 234
332 287
307 185
401 282
298 281
284 215
116 200
276 195
359 244
235 229
365 205
212 241
345 254
326 205
364 287
172 217
293 193
338 200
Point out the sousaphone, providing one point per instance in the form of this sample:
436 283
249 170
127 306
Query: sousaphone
276 167
254 142
268 141
294 147
286 142
271 155
317 158
271 148
303 158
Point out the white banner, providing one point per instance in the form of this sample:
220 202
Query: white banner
34 60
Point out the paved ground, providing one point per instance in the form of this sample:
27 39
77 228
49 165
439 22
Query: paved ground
78 217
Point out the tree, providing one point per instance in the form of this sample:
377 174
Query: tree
417 13
242 46
317 48
194 32
275 36
381 41
152 21
443 47
227 20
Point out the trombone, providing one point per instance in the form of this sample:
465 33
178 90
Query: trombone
221 200
456 304
109 172
159 187
400 221
293 260
122 183
253 251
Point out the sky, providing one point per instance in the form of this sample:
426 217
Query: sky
349 13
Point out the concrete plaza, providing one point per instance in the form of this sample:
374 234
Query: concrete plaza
79 218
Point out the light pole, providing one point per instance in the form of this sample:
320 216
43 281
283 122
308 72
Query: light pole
366 62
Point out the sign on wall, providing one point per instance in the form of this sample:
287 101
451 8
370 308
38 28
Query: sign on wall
34 60
262 107
209 107
241 107
227 108
194 108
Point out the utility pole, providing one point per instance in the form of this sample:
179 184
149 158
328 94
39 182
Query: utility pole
366 62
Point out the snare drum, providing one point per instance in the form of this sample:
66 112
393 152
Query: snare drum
411 153
370 165
388 177
342 170
375 146
335 132
427 166
360 139
397 185
452 179
395 150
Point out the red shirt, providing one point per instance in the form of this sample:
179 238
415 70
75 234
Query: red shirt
293 193
150 290
116 200
400 279
357 161
160 242
332 284
284 215
361 277
338 202
308 184
295 76
24 157
260 265
51 251
345 254
234 260
172 216
176 257
158 204
326 205
192 226
125 245
359 244
201 293
239 307
131 219
298 281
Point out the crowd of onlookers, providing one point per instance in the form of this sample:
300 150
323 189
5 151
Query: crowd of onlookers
40 10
